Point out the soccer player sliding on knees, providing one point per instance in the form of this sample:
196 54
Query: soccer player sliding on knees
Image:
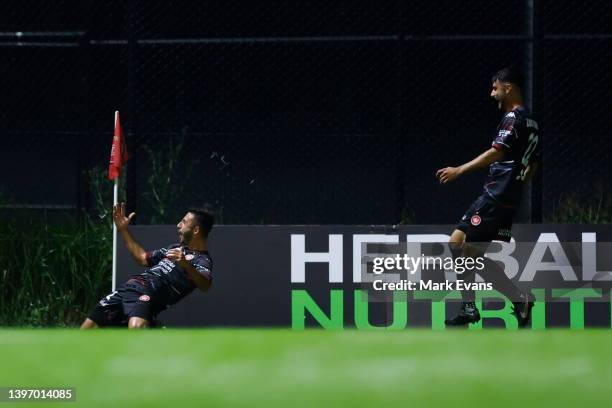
512 161
171 274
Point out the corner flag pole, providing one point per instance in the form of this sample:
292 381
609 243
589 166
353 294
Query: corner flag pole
115 201
118 157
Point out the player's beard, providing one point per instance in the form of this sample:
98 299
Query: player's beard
500 103
185 237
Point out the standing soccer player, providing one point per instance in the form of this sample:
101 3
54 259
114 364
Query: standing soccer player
173 273
512 161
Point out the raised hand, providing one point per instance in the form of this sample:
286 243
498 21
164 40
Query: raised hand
121 221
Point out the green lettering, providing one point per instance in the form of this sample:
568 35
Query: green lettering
301 302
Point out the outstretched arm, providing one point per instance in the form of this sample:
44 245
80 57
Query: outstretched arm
448 174
122 222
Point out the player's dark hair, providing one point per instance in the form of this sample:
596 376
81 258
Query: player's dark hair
204 217
510 74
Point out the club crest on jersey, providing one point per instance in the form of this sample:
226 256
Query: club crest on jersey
475 220
144 298
189 257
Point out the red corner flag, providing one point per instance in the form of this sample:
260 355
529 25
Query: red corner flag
119 154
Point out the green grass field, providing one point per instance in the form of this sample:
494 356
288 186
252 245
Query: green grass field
283 368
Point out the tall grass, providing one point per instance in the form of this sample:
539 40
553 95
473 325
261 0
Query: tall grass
594 208
53 273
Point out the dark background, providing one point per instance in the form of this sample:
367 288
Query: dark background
296 112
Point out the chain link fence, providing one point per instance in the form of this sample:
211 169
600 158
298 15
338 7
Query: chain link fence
282 113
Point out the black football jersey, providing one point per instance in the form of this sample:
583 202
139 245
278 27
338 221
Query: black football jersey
517 136
169 282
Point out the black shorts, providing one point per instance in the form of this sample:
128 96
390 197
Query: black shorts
486 221
132 299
